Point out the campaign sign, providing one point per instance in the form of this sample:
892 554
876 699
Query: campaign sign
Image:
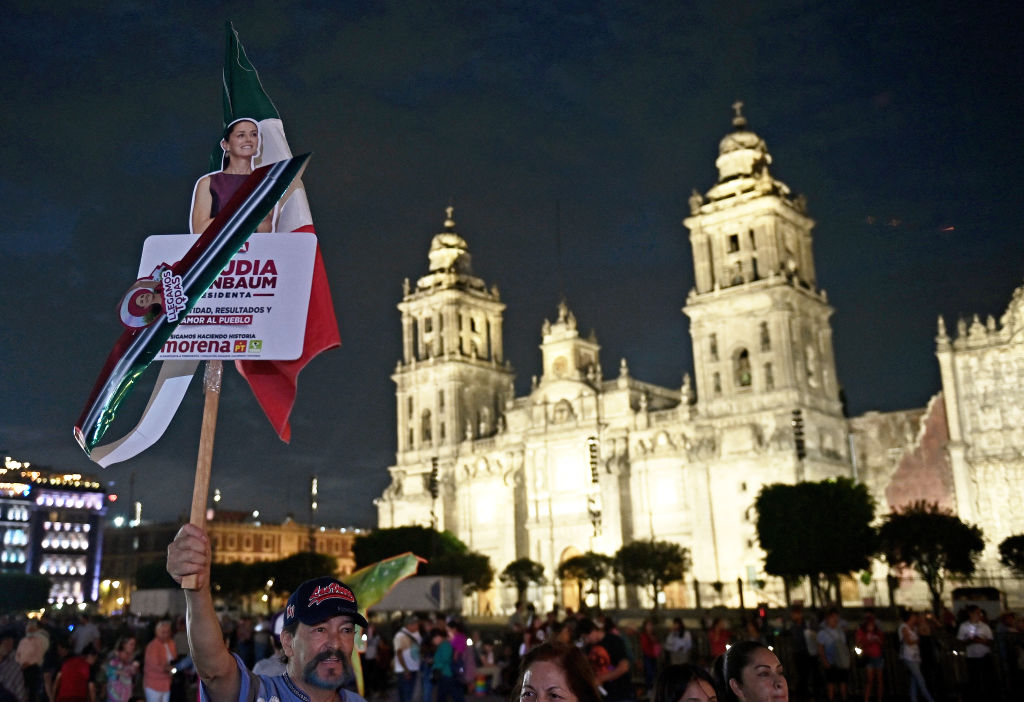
255 309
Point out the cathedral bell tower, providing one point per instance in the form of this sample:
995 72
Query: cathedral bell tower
762 342
453 381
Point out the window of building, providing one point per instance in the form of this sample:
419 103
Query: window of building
766 339
717 382
741 369
734 243
425 428
769 377
713 346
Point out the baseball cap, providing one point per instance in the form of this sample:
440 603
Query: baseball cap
319 599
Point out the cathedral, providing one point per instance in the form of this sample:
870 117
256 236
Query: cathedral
592 460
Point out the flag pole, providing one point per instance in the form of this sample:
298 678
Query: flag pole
201 490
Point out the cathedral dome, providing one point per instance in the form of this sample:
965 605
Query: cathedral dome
449 252
741 152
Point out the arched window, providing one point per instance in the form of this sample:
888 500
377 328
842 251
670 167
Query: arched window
741 369
425 426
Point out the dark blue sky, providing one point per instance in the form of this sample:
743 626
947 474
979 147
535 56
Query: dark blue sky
900 123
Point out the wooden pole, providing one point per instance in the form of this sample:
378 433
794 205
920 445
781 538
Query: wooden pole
200 492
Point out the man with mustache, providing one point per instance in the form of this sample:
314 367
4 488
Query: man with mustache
317 638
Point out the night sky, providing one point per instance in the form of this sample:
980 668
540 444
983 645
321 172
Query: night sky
899 121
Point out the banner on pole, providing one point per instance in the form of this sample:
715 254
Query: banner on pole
255 309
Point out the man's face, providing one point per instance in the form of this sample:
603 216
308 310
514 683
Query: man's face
595 636
320 655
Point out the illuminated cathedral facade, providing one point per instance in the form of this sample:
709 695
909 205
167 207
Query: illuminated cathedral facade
593 458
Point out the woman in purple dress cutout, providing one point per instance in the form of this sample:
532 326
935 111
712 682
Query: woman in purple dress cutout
241 144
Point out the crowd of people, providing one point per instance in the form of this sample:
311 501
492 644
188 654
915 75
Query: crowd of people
564 656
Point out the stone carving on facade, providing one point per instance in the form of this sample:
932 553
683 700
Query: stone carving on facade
562 412
696 200
702 449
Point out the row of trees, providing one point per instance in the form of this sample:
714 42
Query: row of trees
235 581
826 529
648 564
819 531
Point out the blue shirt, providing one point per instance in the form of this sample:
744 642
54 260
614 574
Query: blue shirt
277 688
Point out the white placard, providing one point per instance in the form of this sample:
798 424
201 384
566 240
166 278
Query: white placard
256 309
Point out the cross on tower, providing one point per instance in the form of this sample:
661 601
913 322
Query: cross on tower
738 107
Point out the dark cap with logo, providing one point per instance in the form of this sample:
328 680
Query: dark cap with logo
317 600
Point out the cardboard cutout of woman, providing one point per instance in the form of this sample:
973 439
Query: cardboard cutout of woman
241 145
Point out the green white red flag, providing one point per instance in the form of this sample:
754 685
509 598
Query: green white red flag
275 383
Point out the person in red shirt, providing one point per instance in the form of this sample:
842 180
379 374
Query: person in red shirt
650 647
74 682
718 637
869 641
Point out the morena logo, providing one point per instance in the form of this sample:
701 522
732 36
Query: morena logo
332 591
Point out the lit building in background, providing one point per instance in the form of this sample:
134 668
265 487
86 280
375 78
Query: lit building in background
50 525
234 537
590 463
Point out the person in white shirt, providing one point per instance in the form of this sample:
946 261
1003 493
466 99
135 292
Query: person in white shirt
910 654
978 637
407 658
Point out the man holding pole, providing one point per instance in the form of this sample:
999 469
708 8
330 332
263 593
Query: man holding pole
317 639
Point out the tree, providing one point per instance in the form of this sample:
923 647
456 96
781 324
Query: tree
652 564
474 568
153 575
424 542
520 573
575 569
820 530
445 554
290 572
932 541
23 592
1011 553
589 567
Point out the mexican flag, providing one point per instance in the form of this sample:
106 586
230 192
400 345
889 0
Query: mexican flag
275 383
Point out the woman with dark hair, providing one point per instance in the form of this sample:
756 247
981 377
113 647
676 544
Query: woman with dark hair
752 673
241 145
555 672
678 643
685 683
